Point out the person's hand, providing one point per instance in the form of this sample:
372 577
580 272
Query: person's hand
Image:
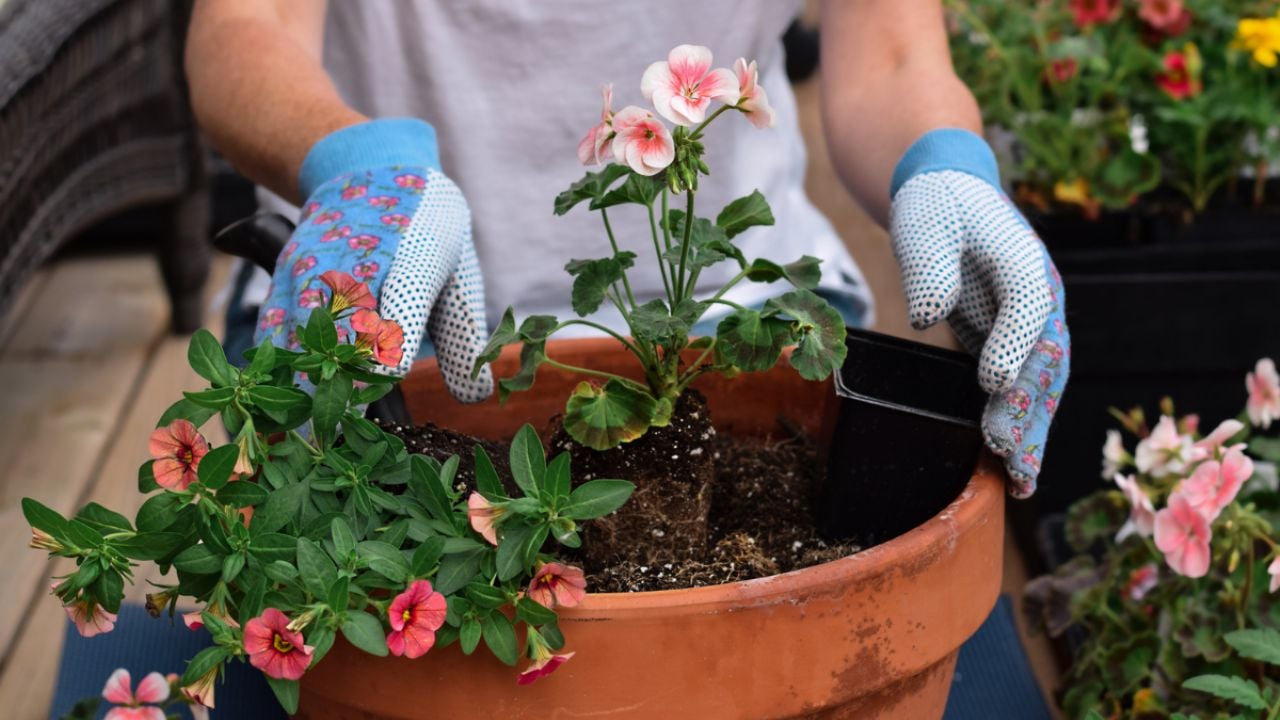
379 209
969 256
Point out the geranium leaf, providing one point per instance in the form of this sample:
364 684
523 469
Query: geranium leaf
1238 690
652 322
819 329
751 340
803 273
537 328
1096 517
745 212
502 336
593 278
1258 644
637 189
531 356
605 417
592 186
708 243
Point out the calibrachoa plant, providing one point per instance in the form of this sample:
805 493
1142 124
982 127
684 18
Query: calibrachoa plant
1174 585
313 522
651 165
1106 99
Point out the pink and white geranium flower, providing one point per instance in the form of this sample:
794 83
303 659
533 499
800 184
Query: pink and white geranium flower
1142 514
594 148
753 101
1274 571
1114 456
1142 581
1164 452
683 86
1263 385
642 142
1215 484
1183 535
154 688
1208 446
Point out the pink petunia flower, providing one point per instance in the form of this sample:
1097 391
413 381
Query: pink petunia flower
1142 514
271 317
177 449
415 616
384 338
1141 581
543 665
396 220
411 181
753 101
365 270
303 265
483 516
1183 535
1094 12
1274 571
593 148
200 692
364 242
1164 452
557 585
682 87
384 202
1263 385
1215 484
335 233
311 298
642 142
90 622
348 292
275 649
351 192
154 688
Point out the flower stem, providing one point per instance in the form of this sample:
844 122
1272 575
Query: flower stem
584 371
310 448
681 290
604 214
697 132
657 249
728 286
602 328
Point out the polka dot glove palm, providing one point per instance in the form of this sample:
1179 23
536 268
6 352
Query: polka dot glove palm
968 255
379 209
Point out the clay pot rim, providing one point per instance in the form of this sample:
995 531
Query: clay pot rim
912 552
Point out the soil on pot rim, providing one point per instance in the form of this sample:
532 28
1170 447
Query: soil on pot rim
760 521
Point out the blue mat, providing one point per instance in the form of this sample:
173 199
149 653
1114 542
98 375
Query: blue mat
992 680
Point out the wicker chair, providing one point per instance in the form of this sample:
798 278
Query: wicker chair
94 120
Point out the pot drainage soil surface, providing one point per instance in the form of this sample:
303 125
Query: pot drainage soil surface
760 521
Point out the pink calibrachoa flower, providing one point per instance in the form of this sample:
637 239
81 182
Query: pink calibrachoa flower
177 449
1094 12
1263 385
593 150
335 233
642 141
396 220
682 87
275 649
1181 77
364 242
1142 514
1215 484
753 101
1163 15
351 192
365 270
348 292
90 623
1141 581
1183 535
544 663
411 181
200 692
557 585
41 540
303 265
1274 571
311 298
384 338
415 616
1164 452
483 514
384 202
154 688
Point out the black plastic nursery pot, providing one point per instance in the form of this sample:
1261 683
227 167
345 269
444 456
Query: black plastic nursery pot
905 439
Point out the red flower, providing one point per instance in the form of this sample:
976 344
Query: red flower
415 616
384 338
1061 70
543 665
177 449
1094 12
348 292
1166 16
1181 77
557 585
275 649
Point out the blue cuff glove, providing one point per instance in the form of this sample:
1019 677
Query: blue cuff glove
379 209
969 256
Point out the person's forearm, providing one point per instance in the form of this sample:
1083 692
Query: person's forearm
887 79
258 87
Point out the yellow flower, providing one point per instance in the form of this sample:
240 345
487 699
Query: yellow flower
1261 38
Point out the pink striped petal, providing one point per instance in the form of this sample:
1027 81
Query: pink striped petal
153 689
119 687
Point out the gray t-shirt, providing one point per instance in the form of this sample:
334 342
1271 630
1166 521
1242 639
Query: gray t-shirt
511 86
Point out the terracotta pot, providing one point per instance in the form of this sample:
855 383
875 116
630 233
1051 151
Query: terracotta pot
874 635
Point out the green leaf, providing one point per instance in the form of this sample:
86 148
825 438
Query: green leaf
83 535
1124 176
215 468
592 186
1242 692
528 461
198 560
605 417
743 213
820 330
427 556
149 546
158 512
41 517
272 547
469 635
264 359
344 539
457 570
385 560
316 568
330 404
532 355
205 662
592 278
321 334
215 399
708 243
286 692
206 357
510 559
502 336
537 328
500 637
100 518
1093 518
365 632
231 567
281 508
803 273
427 486
637 189
147 477
243 494
558 476
487 481
751 340
278 399
653 322
1257 644
485 596
184 409
597 498
533 613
